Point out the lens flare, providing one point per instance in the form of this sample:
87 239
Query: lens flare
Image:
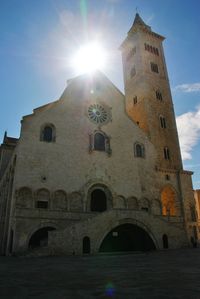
89 58
110 290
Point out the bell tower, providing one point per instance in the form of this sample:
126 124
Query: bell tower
147 92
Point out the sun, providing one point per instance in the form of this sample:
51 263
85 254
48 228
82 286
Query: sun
90 57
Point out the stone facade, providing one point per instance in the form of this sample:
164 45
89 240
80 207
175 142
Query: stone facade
195 211
97 170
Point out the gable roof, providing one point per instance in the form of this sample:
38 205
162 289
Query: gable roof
93 77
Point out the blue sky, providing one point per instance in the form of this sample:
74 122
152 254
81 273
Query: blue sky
39 37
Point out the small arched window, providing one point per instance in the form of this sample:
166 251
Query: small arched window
60 200
24 198
154 67
159 95
162 122
145 205
25 193
133 72
99 141
135 100
42 199
166 153
193 213
132 203
47 133
139 150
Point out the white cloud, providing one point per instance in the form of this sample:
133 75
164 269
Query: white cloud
188 125
193 87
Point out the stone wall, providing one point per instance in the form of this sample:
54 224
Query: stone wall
69 241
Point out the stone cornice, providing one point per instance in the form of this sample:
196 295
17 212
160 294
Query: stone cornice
171 170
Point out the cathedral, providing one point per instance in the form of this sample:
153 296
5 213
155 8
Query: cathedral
98 170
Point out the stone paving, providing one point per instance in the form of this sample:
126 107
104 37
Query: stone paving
161 274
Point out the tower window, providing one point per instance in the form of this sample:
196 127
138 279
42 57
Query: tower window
162 122
166 153
135 100
131 53
158 95
167 177
154 67
133 72
193 213
139 150
151 49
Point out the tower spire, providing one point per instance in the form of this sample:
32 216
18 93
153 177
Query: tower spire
139 23
5 136
138 20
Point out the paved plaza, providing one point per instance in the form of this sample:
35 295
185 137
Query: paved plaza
159 274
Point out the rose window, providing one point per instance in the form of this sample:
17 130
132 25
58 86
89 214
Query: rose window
97 114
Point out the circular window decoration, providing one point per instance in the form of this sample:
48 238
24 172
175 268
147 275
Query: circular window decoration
97 114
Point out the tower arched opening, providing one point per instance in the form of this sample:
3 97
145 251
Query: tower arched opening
168 199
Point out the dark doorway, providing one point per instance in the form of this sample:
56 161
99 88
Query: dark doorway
40 237
98 201
127 237
11 241
165 241
86 245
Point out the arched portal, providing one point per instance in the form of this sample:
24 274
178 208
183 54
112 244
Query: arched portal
86 245
127 237
40 237
98 200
